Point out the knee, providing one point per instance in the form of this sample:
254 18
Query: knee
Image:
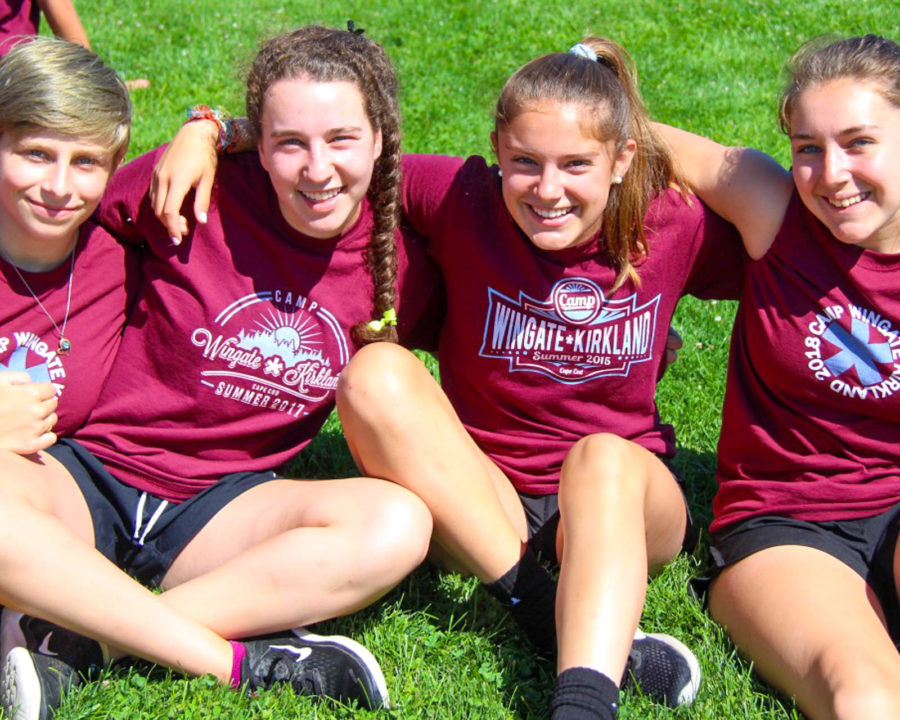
598 462
375 376
866 688
398 534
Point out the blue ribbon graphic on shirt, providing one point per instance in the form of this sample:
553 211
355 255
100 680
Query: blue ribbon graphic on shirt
857 351
38 373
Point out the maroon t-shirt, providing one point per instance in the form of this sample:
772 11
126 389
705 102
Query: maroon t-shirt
535 352
232 354
811 423
22 17
28 340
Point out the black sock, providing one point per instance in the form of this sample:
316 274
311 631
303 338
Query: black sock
528 591
584 694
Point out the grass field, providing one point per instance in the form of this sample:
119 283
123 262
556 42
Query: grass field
713 67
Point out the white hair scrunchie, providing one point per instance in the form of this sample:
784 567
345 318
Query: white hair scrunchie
583 51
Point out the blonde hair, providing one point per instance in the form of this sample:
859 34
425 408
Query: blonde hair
607 91
867 58
52 84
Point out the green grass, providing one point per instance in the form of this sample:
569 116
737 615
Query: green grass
713 67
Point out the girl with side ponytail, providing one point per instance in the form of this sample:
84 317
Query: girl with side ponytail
563 266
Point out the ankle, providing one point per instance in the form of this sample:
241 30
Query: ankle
584 694
528 591
238 655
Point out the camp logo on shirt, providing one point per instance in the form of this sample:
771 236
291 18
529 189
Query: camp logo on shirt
855 350
574 335
26 352
273 350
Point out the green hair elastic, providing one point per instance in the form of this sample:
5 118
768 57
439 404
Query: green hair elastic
389 318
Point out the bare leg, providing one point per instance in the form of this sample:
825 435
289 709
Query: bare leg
49 568
809 624
292 552
621 513
401 426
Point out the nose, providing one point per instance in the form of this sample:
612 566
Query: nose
549 185
318 164
834 166
56 181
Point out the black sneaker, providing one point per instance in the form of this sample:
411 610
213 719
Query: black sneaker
663 669
323 666
45 638
33 685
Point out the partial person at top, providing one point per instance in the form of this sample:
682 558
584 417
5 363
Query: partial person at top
20 19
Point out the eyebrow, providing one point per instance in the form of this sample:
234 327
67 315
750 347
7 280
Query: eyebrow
514 147
847 131
330 131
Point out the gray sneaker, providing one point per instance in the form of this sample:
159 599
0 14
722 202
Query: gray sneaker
663 669
33 685
331 666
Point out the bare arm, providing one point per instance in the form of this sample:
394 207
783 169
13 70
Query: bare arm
745 186
191 161
64 21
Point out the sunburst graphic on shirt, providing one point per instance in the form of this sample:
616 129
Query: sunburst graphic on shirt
292 339
275 350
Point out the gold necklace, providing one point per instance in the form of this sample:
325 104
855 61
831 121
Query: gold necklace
64 346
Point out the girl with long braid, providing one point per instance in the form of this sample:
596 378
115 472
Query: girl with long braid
228 367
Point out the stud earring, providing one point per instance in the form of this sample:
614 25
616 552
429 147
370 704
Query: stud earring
616 179
499 172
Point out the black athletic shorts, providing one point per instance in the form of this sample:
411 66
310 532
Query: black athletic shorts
542 513
864 544
142 533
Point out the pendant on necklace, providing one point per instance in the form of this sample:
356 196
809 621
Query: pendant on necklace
64 347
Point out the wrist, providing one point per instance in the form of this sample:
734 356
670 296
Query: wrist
222 121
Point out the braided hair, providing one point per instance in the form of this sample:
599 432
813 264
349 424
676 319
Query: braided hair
329 55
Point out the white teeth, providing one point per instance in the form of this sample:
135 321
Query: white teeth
320 196
847 202
550 214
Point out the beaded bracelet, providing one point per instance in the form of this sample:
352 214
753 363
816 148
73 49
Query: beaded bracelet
220 118
242 138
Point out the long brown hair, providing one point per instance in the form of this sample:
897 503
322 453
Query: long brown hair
607 91
327 55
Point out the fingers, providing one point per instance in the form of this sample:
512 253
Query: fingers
188 162
166 195
28 390
14 377
46 393
28 417
137 84
50 423
204 191
674 340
